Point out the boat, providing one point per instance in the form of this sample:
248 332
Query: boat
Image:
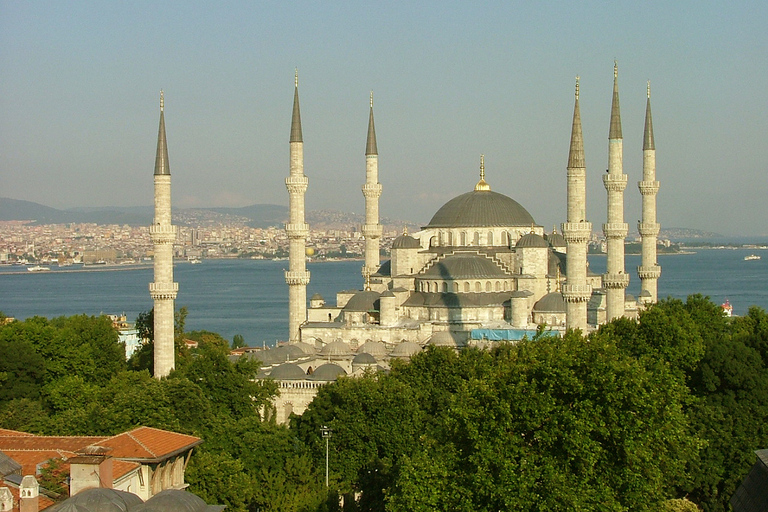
38 268
751 257
194 261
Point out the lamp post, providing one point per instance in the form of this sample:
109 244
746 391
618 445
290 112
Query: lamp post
326 433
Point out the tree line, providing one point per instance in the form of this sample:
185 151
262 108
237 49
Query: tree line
633 415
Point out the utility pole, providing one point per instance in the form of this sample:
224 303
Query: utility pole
326 433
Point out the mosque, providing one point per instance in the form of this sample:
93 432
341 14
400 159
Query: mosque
481 270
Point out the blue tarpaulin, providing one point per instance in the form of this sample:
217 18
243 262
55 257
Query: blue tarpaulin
502 334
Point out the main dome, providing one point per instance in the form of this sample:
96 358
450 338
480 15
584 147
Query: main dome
481 208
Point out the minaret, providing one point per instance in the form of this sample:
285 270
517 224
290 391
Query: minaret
372 192
297 229
163 233
576 230
649 270
615 280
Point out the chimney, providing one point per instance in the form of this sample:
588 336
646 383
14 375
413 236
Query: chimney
91 468
28 494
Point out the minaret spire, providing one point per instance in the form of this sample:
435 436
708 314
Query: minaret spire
371 192
576 230
482 184
297 276
615 279
649 270
163 290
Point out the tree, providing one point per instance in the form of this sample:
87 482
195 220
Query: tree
238 341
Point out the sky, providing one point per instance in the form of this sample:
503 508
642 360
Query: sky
80 84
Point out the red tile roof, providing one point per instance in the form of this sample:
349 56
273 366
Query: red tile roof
43 501
121 468
29 459
31 442
149 443
8 432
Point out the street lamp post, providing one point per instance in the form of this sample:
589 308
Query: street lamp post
326 433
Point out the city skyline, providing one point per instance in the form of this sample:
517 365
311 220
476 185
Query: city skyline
81 98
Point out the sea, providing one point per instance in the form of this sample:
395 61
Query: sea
250 297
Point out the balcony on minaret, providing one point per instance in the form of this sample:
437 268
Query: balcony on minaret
615 229
163 233
615 280
649 272
163 290
297 230
615 182
576 292
296 184
576 232
648 228
372 190
371 230
648 187
297 277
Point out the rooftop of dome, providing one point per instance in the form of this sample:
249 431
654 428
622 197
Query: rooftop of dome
406 349
550 303
481 208
336 348
405 241
464 266
328 372
363 301
288 371
375 348
532 241
364 358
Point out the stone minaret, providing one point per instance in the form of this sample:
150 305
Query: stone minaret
372 192
297 229
576 229
615 280
649 270
163 290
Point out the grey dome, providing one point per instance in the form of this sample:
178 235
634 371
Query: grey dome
279 354
336 349
316 296
464 266
174 500
481 208
328 372
555 239
406 349
550 303
364 358
288 371
375 348
532 241
101 500
305 347
445 339
363 301
405 242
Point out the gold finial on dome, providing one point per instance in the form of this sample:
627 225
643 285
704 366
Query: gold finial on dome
405 230
648 89
615 68
482 185
367 282
371 99
557 281
162 100
577 86
296 78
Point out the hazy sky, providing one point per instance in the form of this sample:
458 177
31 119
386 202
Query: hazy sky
80 82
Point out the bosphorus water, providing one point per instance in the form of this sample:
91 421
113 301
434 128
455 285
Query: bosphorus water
250 297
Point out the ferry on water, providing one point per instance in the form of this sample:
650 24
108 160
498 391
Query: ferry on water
751 257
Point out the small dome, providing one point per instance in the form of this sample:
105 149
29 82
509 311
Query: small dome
550 303
328 372
375 348
278 355
481 208
288 371
305 347
102 499
629 298
532 241
555 239
364 358
445 339
336 349
405 241
406 349
363 301
388 294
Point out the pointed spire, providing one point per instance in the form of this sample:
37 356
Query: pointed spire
296 120
648 134
370 146
482 185
162 165
576 154
615 130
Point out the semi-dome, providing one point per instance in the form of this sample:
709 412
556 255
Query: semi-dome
464 266
481 208
532 241
550 303
336 349
363 301
555 239
288 371
328 372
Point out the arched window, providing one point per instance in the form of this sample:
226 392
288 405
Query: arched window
450 238
456 287
445 287
504 238
490 238
463 238
466 287
476 238
498 286
478 286
487 286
